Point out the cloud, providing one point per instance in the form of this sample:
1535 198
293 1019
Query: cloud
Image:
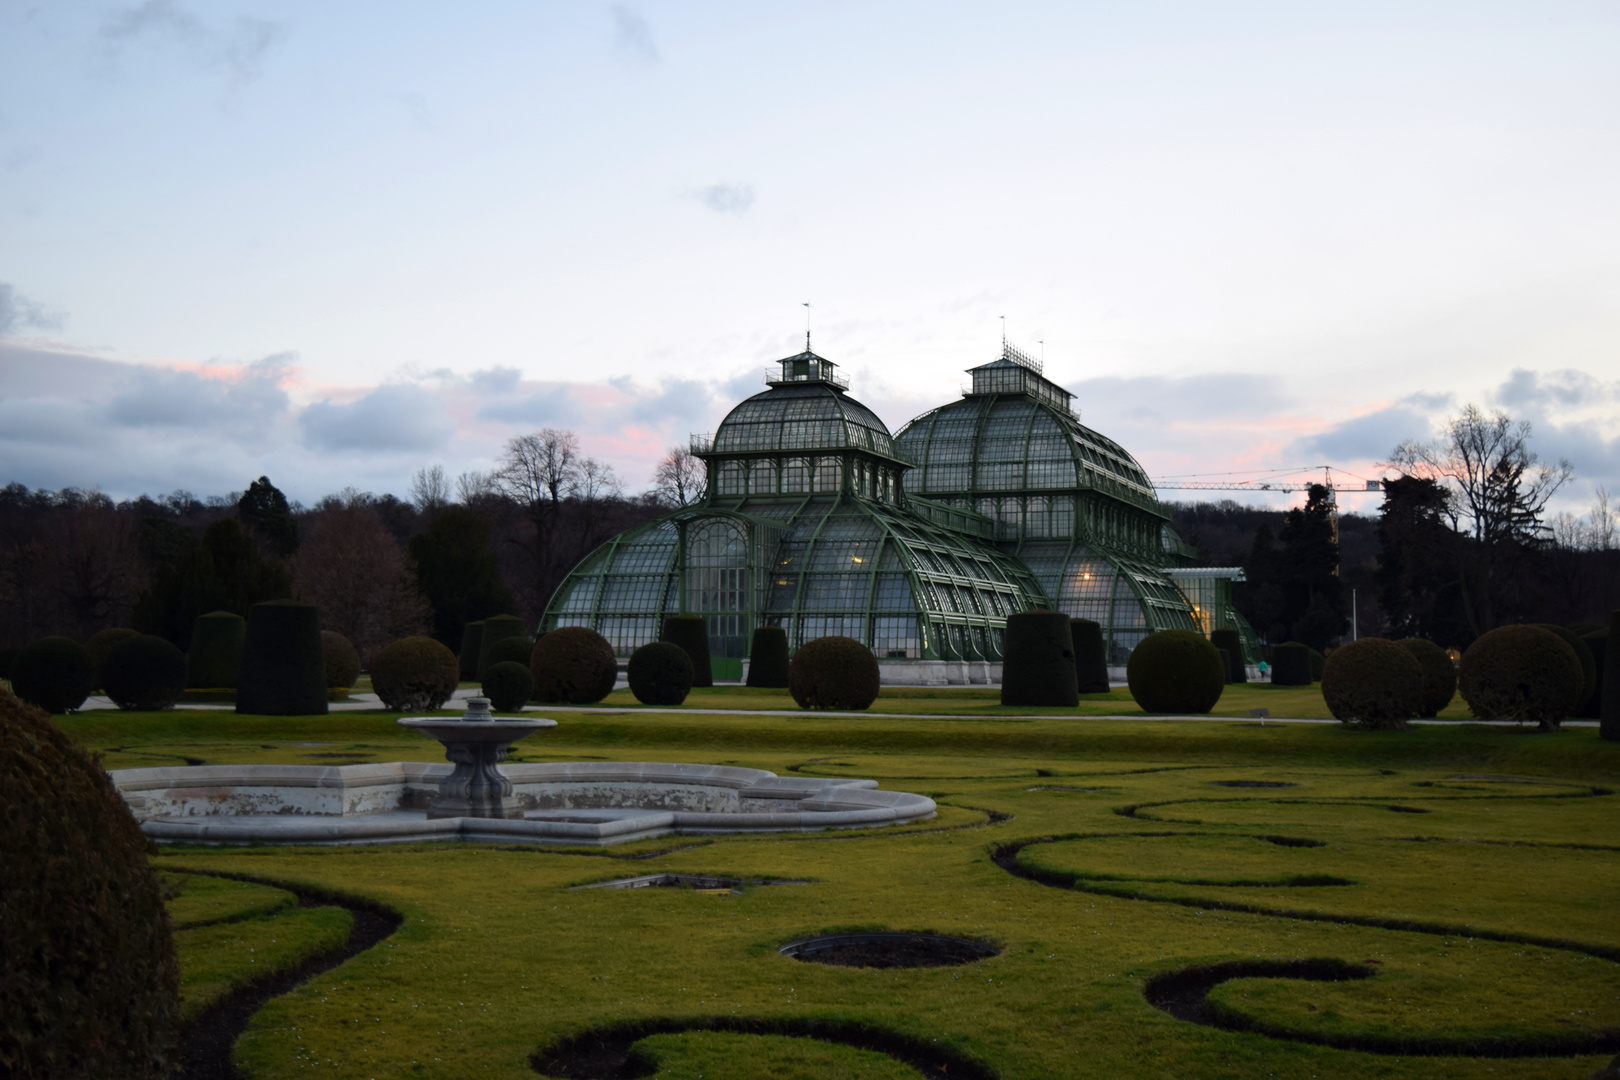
17 312
1372 436
496 380
727 198
633 37
1194 401
388 418
677 403
238 404
1567 388
239 47
548 407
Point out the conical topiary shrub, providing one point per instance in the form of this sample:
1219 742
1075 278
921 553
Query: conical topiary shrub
472 643
1439 675
1232 642
768 658
283 665
1090 656
1177 672
660 673
144 673
53 673
1037 666
100 644
691 632
497 628
215 661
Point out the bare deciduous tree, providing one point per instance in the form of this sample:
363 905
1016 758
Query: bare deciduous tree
430 490
681 478
356 573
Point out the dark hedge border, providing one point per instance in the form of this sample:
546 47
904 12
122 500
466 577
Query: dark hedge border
1134 810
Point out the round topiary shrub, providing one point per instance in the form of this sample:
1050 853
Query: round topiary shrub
89 984
1439 675
144 673
215 660
414 674
340 659
691 632
497 628
768 658
283 664
515 650
1037 665
54 673
834 673
1583 653
1232 642
508 685
100 644
573 664
1522 673
1291 664
472 640
1372 682
1090 656
660 674
1175 671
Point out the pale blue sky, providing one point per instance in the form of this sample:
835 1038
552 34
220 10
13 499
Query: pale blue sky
337 242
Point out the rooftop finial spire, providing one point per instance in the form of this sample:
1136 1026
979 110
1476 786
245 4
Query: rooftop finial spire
1003 319
807 326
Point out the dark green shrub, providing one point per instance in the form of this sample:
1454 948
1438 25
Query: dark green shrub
100 644
1522 673
1591 709
53 673
1226 662
573 665
1439 675
415 674
89 984
660 673
1291 664
514 650
498 628
1232 642
283 666
1318 664
1090 656
7 658
508 685
1037 665
1372 682
215 662
144 673
1609 714
1583 653
1176 671
339 659
768 658
834 673
691 632
472 641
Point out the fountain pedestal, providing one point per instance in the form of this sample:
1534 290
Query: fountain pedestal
476 745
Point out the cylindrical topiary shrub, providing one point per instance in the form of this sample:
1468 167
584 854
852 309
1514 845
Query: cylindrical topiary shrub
834 673
1590 709
660 673
1318 664
100 644
1522 673
508 685
1037 661
54 673
283 665
1230 640
340 659
1374 683
1176 671
768 658
7 658
414 674
1609 692
1439 675
1583 653
472 642
497 628
573 665
89 984
144 673
513 650
215 660
1090 656
1291 664
691 632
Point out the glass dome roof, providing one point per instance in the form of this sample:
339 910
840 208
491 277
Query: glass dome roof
809 416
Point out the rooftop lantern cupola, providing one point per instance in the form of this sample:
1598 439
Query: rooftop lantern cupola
807 367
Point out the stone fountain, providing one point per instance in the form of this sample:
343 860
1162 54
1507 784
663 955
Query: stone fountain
476 744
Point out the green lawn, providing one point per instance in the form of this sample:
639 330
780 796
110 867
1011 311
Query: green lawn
1483 902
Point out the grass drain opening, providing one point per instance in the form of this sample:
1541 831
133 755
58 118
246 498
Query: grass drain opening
889 949
699 882
1253 783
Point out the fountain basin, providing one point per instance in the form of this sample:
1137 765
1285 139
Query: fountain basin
476 746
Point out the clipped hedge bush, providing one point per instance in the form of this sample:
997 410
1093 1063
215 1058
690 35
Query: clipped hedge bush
1373 682
1230 640
1291 664
691 632
7 658
144 673
508 685
100 644
1583 653
1318 663
1037 664
1591 709
217 641
834 673
660 673
283 664
54 673
768 658
1609 711
1090 656
415 674
573 665
497 628
1523 673
89 983
339 659
512 650
472 641
1176 671
1439 675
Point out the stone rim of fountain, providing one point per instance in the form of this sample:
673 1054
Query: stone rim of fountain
476 743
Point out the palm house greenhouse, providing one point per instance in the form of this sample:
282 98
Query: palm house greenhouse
818 520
